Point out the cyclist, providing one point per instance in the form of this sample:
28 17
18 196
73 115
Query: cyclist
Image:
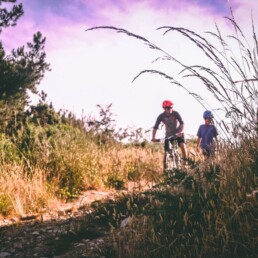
206 134
174 125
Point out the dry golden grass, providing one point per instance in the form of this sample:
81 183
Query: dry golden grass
26 190
24 193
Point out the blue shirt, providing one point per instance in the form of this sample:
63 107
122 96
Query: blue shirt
207 133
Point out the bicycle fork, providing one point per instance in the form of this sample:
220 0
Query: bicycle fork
172 161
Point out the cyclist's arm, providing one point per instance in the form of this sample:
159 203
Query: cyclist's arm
154 134
198 144
155 127
199 138
180 130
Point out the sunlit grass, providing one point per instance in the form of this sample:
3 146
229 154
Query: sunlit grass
210 209
23 193
67 162
214 216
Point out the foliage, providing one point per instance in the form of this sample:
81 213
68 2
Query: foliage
5 205
9 18
72 155
9 153
20 72
104 128
43 114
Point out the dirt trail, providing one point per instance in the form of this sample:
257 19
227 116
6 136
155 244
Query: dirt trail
41 235
74 208
62 210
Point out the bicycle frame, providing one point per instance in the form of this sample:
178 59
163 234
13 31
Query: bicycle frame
172 159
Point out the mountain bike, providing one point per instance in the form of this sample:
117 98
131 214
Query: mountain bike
172 159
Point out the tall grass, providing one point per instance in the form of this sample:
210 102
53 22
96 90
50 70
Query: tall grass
23 194
231 78
44 164
215 213
206 211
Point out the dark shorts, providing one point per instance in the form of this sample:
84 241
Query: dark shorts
208 153
179 140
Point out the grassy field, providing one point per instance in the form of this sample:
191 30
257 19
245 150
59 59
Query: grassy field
66 163
208 209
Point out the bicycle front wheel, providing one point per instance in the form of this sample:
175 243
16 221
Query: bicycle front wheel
172 161
169 162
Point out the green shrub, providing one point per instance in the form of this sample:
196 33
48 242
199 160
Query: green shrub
5 205
8 151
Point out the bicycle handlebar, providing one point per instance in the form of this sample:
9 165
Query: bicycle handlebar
167 138
157 140
171 137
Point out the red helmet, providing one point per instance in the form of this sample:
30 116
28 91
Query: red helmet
167 103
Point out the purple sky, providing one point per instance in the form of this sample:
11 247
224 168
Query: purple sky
50 16
90 11
97 67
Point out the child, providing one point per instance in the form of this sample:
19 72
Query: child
206 135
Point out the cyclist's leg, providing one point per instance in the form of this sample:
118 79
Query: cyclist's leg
166 155
209 153
181 143
212 152
206 153
166 145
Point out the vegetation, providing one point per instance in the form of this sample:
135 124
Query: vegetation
48 155
209 210
205 210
